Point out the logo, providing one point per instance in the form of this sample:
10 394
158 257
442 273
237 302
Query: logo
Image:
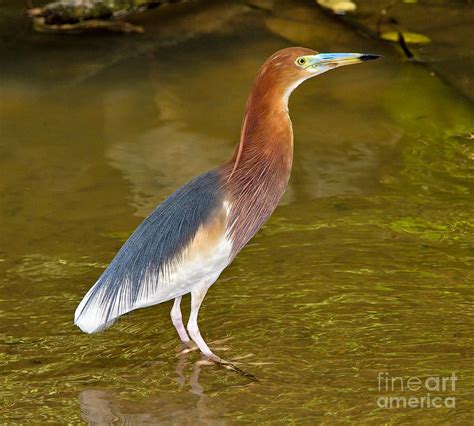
416 392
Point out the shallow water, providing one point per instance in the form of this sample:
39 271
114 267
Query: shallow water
365 268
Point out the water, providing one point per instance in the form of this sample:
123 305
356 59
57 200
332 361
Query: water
366 267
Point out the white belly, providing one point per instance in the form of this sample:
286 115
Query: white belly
194 269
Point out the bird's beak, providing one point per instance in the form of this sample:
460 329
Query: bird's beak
333 60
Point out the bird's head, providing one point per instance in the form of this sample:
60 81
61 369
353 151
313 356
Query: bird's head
289 67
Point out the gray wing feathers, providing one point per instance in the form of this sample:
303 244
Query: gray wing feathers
133 274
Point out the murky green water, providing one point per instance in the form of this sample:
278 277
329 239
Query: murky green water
367 266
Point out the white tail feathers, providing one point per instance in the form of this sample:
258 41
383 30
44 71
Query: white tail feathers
101 306
86 320
89 316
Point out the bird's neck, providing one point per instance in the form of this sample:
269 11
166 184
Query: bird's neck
257 176
266 141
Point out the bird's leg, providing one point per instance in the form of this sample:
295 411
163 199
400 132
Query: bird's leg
197 296
177 320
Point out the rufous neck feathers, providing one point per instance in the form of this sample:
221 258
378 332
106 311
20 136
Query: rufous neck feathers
267 134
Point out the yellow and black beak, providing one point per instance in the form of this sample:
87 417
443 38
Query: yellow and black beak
337 59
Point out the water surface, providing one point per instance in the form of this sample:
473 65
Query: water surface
366 267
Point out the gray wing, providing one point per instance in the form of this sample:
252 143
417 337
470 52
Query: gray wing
157 242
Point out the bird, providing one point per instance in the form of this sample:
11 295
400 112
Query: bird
193 235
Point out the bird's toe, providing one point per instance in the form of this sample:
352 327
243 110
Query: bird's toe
186 348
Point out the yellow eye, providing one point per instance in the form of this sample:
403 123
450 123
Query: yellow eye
301 61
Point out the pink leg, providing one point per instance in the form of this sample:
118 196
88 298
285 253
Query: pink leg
177 320
197 296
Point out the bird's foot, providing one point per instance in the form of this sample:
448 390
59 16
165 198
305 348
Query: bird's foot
186 347
211 358
214 358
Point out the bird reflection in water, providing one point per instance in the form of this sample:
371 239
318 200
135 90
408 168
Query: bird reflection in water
101 406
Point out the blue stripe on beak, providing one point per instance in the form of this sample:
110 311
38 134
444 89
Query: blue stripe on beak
341 58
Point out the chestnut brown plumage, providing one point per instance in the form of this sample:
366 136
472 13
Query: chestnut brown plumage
261 166
190 238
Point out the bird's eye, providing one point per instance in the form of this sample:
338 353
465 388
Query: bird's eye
301 61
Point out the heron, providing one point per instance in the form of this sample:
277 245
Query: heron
187 241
